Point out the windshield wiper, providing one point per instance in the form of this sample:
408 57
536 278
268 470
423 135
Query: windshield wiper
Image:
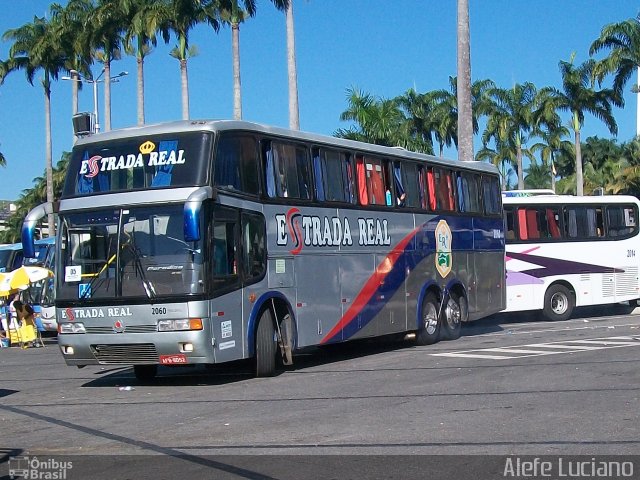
139 269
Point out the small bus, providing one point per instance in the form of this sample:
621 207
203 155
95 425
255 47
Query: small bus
202 242
564 251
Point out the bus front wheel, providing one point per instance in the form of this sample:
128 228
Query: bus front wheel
429 329
558 303
265 353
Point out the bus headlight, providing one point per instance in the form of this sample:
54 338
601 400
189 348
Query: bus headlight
72 327
182 324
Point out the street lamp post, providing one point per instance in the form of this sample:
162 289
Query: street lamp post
94 83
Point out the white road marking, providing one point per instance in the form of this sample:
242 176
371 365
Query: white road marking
548 348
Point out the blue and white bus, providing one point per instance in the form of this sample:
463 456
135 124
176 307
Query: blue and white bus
203 242
565 251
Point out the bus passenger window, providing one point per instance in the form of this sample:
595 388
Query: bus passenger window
288 171
363 197
445 199
468 192
376 190
236 164
491 195
334 180
621 220
410 182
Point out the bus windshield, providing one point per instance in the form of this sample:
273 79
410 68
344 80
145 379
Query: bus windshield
5 255
128 253
155 161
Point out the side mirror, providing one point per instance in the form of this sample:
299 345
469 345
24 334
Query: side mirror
192 212
29 226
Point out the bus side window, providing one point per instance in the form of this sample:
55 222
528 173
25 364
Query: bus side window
288 173
254 259
522 224
334 182
445 194
361 173
621 220
468 192
408 185
491 195
236 164
377 182
225 270
509 221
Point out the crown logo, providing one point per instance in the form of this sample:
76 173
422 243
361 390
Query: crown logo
147 147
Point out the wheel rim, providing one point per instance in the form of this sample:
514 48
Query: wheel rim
559 303
453 314
430 319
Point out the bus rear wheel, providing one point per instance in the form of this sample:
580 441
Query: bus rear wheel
429 329
145 373
558 303
455 313
265 352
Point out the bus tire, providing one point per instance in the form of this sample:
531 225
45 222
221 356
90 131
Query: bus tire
429 329
558 303
145 373
455 312
265 352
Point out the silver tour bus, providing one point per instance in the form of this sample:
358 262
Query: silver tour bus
202 242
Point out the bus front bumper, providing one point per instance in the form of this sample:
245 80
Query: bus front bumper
161 348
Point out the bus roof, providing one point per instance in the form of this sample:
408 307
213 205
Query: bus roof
572 199
11 246
216 126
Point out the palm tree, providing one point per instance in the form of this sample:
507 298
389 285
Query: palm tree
378 120
503 159
294 114
465 115
232 14
511 120
445 114
74 32
419 118
579 96
181 16
552 145
38 46
623 42
145 18
537 176
108 19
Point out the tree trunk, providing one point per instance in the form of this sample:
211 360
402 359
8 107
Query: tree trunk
638 107
184 82
294 115
519 167
465 118
51 225
74 98
140 61
237 92
107 95
579 181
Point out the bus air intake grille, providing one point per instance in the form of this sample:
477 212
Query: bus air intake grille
129 329
129 354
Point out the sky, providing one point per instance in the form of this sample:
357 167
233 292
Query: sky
380 47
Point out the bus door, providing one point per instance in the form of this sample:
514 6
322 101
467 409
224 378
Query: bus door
226 306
